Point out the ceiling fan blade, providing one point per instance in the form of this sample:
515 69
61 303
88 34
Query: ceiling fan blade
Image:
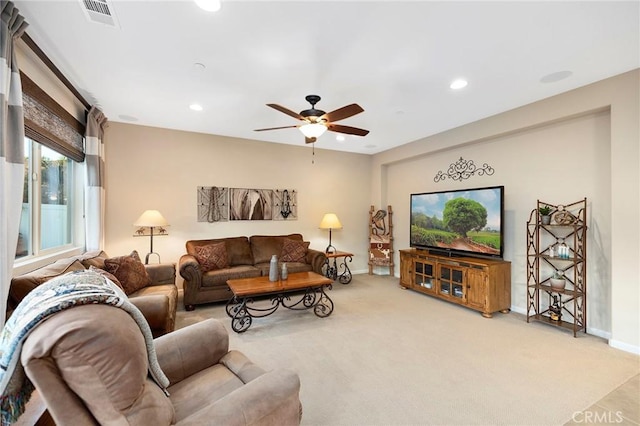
347 129
344 112
286 111
274 128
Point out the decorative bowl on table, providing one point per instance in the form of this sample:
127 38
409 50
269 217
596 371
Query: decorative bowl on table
557 283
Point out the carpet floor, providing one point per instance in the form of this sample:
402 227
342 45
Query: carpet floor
388 356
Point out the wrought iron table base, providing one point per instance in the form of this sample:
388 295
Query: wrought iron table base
332 269
242 314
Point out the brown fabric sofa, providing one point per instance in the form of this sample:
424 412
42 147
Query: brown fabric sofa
158 302
89 371
247 257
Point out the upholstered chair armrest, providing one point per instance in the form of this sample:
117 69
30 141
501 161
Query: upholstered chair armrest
189 350
162 273
271 399
316 259
155 308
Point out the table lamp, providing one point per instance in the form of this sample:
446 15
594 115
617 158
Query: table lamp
149 222
330 221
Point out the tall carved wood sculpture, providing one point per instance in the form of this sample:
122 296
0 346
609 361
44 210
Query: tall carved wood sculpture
380 239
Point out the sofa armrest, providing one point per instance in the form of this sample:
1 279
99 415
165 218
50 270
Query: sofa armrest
162 273
189 350
316 259
191 271
273 398
156 309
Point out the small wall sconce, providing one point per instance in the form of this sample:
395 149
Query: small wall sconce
330 221
151 223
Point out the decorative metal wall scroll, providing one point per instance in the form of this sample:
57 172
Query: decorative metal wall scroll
213 204
285 204
380 239
463 169
218 204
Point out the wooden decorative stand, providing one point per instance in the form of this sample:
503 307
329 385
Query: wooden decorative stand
381 239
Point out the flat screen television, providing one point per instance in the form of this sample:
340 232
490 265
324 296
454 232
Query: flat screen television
459 222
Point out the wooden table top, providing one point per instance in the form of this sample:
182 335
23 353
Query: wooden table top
261 285
339 254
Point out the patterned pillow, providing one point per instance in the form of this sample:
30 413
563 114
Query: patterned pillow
294 250
129 270
106 275
212 256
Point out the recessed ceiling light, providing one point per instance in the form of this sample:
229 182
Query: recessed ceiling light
556 76
458 84
340 138
196 107
209 5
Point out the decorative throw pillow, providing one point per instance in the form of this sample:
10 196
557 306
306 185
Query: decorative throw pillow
129 270
212 256
294 250
106 275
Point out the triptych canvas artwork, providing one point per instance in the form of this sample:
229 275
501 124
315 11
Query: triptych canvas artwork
218 204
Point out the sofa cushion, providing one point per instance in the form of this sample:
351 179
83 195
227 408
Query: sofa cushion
293 250
264 246
107 275
93 258
23 284
220 276
212 256
129 270
238 249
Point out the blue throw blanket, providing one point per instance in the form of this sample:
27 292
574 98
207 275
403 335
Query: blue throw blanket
66 291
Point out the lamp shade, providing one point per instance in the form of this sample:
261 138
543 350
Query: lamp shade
330 221
313 130
151 218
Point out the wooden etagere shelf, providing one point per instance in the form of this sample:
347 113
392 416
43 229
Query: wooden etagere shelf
558 251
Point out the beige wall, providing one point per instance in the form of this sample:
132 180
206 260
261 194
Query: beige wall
584 143
152 168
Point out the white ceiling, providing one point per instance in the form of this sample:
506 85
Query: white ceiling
395 59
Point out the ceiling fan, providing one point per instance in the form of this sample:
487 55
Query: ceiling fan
315 121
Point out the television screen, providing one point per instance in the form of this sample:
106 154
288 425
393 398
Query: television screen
466 221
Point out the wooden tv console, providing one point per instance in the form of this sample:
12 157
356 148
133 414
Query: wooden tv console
480 284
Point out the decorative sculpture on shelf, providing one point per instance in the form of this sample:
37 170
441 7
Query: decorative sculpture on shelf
463 169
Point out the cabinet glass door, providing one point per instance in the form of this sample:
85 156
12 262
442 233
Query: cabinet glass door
451 282
425 276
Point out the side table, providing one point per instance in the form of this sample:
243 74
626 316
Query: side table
332 265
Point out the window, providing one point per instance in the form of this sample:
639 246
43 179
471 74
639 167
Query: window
47 220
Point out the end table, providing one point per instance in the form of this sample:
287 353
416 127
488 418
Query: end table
332 267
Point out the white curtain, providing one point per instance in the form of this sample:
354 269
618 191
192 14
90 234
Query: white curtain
94 188
11 146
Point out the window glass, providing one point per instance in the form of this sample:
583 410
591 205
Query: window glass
24 236
55 191
46 221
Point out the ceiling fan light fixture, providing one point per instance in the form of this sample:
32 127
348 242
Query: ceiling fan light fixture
313 130
209 5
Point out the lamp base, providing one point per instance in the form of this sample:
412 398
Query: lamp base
330 249
146 258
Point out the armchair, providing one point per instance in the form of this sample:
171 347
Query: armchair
90 371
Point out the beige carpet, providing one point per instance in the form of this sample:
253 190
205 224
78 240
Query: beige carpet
388 356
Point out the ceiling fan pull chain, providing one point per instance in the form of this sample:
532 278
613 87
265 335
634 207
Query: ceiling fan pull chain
313 153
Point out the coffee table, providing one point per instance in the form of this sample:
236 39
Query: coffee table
241 307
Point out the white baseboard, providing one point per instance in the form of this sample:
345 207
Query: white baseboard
624 347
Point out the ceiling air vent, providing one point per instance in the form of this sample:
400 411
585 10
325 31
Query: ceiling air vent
100 11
